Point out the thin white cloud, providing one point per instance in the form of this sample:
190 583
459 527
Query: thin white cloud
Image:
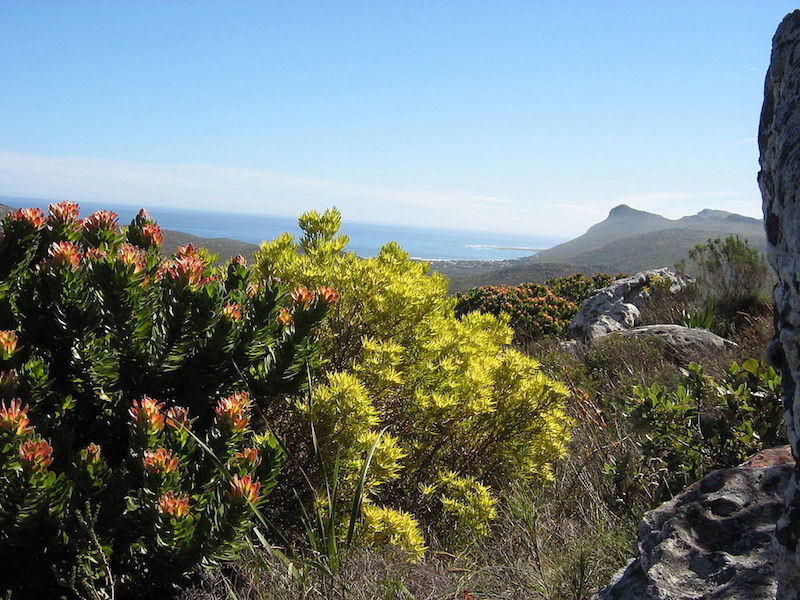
245 190
489 200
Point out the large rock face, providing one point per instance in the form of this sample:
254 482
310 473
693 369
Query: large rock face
779 180
688 342
616 306
713 541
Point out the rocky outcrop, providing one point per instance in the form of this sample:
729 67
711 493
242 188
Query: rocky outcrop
687 342
616 306
779 180
713 541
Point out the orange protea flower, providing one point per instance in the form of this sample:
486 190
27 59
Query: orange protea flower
102 219
132 256
303 296
63 212
232 311
172 505
284 317
249 456
187 250
186 270
146 414
31 216
14 417
96 254
239 260
36 454
328 294
246 488
232 411
8 344
253 287
152 235
64 254
178 417
91 454
159 461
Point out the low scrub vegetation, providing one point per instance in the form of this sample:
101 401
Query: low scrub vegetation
320 425
534 310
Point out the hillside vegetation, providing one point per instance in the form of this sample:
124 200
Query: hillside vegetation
320 425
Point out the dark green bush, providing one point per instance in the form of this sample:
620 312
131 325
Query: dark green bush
130 387
732 274
703 424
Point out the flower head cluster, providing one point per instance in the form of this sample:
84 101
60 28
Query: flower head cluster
64 254
34 217
303 296
178 418
328 295
185 269
284 317
245 488
91 454
62 213
160 461
8 344
173 505
132 256
232 312
248 456
232 411
239 260
102 220
186 250
36 454
253 287
147 414
96 254
14 417
152 235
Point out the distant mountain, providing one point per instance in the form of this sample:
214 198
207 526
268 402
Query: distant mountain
632 240
621 222
627 241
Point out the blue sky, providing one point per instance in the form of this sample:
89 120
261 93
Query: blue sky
529 117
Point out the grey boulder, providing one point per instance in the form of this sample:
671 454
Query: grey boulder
684 341
713 541
616 306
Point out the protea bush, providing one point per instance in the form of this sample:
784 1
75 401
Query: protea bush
534 310
132 450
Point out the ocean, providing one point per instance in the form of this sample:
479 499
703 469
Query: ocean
365 238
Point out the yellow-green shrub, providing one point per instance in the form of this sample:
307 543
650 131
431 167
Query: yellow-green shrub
461 407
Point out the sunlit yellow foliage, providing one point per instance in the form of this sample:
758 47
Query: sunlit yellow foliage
456 399
396 527
467 505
